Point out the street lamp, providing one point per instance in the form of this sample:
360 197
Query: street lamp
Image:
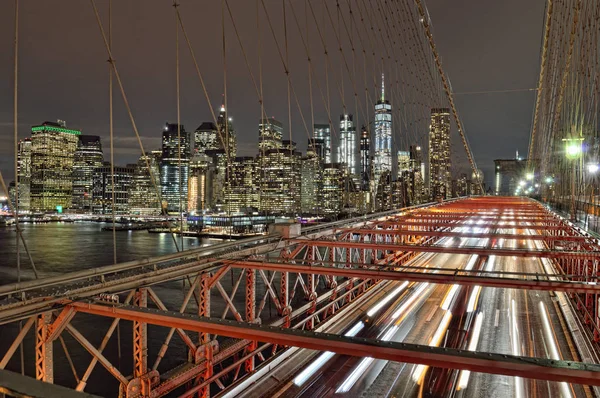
573 149
593 168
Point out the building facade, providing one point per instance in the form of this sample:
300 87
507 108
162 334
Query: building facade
440 181
347 147
323 132
24 174
144 191
270 133
102 191
280 179
242 193
174 167
88 157
382 156
311 185
365 159
53 149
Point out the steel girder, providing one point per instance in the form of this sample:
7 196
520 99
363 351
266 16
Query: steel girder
543 369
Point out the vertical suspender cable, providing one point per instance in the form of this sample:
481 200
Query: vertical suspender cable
226 121
111 132
287 73
16 164
16 136
179 171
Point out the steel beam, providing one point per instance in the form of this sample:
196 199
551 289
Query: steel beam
16 385
97 354
44 355
444 276
509 365
438 224
140 337
483 251
16 342
404 232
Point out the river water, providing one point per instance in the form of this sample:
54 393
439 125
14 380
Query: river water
58 248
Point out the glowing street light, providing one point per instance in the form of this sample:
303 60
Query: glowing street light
593 168
549 180
573 151
529 176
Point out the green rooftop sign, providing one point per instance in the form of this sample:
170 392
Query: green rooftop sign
54 128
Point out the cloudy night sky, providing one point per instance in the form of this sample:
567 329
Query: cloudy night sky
485 47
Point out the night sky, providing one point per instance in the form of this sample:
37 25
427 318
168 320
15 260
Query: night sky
485 46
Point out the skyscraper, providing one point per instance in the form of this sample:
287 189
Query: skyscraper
206 137
403 161
242 192
143 197
323 132
365 158
102 191
270 133
439 154
280 179
382 159
333 188
347 147
88 157
227 133
311 185
53 149
200 182
173 176
24 174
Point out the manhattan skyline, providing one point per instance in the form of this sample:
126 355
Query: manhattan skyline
82 82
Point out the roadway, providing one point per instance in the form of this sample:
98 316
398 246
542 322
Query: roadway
506 321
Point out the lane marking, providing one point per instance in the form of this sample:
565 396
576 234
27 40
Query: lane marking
497 318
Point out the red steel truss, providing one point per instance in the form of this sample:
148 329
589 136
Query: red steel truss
239 303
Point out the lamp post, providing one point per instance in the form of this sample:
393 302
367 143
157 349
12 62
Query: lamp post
573 152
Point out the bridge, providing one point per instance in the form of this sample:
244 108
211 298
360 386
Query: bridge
397 285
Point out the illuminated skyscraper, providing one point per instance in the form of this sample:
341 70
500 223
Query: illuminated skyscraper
382 159
365 158
143 197
270 132
312 178
53 149
333 188
206 137
347 146
88 157
24 174
102 190
280 179
173 176
200 182
227 133
403 161
439 154
323 132
242 191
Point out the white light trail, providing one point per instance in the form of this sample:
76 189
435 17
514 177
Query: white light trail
323 358
553 347
363 365
386 300
463 381
473 299
414 296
